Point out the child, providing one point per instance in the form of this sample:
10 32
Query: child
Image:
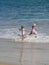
33 31
22 32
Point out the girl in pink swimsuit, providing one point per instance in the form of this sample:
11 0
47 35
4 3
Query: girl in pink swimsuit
33 31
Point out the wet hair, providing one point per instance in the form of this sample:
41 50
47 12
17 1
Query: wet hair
32 26
22 27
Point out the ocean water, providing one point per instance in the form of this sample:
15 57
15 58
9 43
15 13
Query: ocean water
14 13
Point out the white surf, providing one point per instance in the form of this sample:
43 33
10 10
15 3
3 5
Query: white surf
33 38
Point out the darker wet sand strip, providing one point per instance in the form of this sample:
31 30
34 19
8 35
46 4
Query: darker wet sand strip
2 63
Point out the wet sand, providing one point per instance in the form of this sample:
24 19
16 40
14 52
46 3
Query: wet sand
1 63
19 53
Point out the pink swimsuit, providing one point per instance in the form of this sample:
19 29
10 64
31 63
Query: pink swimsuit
34 31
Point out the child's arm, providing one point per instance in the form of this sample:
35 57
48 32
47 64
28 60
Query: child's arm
19 29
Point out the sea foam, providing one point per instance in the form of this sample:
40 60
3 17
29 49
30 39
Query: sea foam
14 33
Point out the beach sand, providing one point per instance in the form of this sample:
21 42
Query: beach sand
8 55
20 53
1 63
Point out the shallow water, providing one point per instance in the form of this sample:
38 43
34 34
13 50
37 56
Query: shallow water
14 13
24 53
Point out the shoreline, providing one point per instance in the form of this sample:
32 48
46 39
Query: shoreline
4 63
25 41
